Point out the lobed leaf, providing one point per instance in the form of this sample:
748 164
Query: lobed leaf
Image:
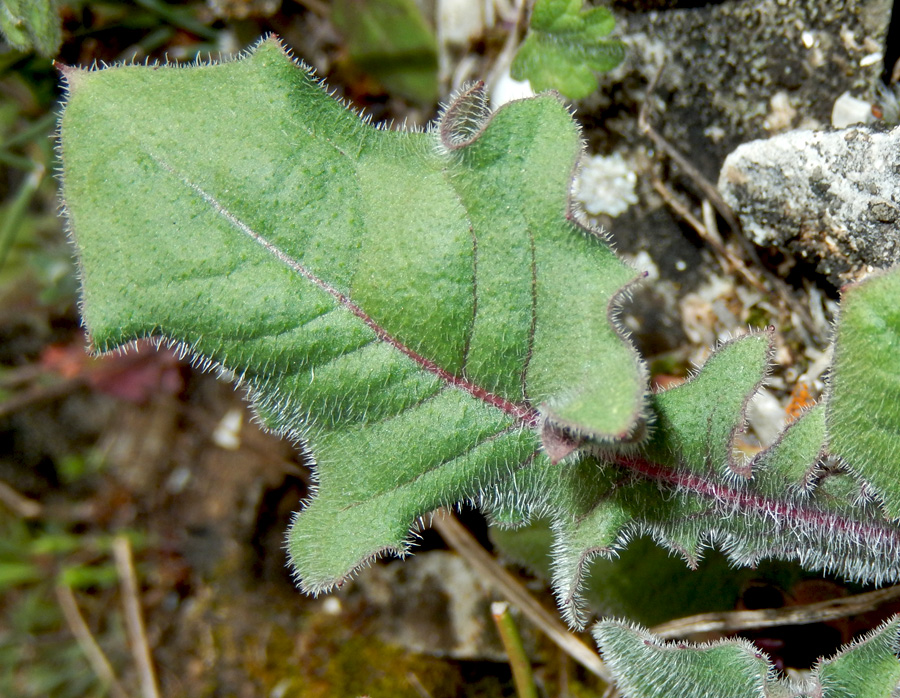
686 489
410 305
425 312
565 46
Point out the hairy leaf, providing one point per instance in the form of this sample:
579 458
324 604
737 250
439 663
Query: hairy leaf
565 46
864 399
687 490
410 305
646 667
424 311
866 669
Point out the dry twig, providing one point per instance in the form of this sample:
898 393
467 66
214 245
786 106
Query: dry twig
458 538
788 301
21 505
733 621
725 258
98 661
40 394
134 621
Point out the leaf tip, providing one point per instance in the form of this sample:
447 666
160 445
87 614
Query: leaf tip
464 118
557 444
72 76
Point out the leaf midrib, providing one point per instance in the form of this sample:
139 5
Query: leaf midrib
520 412
717 491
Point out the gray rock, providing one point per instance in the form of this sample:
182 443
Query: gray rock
830 197
737 70
734 71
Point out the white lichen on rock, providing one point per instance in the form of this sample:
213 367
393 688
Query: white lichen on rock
605 184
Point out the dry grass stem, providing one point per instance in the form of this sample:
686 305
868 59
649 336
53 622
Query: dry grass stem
18 503
458 538
134 620
708 188
98 661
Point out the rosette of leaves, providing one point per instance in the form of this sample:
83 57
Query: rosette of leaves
425 313
565 47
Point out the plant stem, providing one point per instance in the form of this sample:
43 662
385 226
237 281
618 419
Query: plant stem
512 642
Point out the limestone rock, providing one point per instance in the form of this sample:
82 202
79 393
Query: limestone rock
832 197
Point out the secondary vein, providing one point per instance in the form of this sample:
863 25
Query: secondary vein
522 413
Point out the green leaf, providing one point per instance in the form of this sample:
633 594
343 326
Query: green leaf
646 667
863 414
793 462
391 41
16 573
685 489
426 313
565 47
411 305
88 576
31 24
868 668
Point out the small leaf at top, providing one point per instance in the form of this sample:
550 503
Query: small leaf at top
565 46
391 41
31 24
413 310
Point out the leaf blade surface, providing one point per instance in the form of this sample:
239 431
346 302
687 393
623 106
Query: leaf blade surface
382 295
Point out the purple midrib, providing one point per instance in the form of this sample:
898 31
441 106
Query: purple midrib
523 413
785 511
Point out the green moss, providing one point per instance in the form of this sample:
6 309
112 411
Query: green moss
332 659
758 317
